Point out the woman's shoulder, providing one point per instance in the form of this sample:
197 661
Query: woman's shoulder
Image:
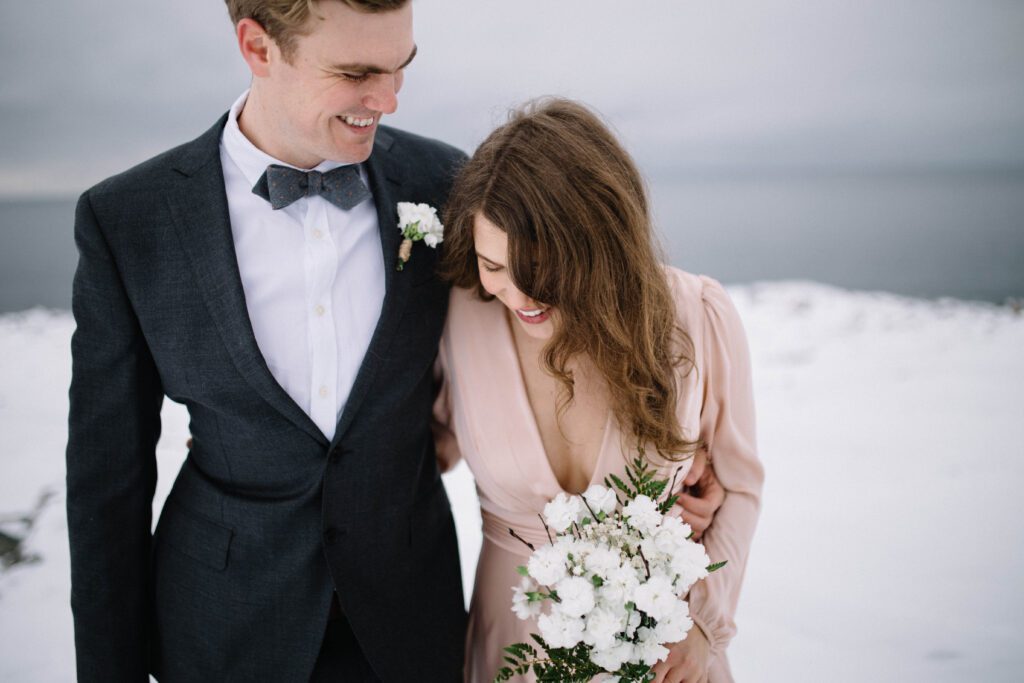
469 314
463 301
696 297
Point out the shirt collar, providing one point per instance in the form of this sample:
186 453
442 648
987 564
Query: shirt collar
249 158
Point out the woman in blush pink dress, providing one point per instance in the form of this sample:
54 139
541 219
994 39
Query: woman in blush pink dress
569 349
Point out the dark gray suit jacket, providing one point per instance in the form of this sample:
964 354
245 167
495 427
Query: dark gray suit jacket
266 518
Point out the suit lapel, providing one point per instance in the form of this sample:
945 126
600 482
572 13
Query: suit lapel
385 175
200 210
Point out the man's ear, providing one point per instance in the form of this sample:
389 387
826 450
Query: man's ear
255 45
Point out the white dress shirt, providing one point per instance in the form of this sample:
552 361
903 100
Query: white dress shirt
313 276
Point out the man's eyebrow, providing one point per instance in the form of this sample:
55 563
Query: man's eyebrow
357 68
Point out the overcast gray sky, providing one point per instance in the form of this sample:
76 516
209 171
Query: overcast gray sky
89 87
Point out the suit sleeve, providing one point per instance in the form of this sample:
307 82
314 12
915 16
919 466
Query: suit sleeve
113 427
445 442
728 428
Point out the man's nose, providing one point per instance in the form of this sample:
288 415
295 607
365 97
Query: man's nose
384 96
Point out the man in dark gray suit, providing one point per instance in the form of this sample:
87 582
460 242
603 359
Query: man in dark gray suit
252 275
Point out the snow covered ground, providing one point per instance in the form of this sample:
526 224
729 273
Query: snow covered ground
891 545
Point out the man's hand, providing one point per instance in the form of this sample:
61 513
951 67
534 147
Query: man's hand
687 660
702 495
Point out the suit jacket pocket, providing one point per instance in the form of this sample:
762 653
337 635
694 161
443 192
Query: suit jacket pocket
200 538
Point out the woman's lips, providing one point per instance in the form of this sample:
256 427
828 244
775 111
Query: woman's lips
534 319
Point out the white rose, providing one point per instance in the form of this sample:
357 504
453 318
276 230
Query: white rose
600 499
612 658
547 565
643 514
560 630
576 595
602 627
656 598
562 512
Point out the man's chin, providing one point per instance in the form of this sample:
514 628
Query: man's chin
352 153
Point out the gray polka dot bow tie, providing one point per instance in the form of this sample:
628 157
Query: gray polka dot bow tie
281 185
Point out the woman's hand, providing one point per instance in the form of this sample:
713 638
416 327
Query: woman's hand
687 660
704 495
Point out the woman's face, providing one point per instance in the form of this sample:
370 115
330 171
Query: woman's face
491 243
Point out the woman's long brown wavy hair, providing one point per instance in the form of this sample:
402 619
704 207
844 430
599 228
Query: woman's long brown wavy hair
580 238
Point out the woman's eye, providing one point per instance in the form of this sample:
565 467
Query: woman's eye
491 269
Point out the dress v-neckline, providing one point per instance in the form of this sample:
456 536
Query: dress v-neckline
523 396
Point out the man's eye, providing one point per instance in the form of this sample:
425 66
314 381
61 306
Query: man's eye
355 78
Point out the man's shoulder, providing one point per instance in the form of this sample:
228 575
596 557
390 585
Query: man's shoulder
418 149
155 173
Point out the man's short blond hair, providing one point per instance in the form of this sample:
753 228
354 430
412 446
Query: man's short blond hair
286 20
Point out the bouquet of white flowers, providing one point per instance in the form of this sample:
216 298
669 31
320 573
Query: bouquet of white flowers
607 591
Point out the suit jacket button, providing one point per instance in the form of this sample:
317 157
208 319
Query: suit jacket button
336 456
331 536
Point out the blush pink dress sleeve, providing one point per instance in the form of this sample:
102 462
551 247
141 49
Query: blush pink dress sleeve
482 413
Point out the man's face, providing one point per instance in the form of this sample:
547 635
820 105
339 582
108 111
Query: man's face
327 100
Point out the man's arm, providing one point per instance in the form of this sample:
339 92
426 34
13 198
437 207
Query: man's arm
702 495
113 427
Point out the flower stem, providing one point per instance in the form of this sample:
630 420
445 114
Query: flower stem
521 539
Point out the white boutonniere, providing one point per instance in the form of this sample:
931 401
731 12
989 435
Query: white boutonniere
417 222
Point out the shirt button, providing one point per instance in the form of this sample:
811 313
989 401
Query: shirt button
323 391
317 234
319 310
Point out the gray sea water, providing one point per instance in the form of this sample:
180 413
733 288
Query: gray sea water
927 234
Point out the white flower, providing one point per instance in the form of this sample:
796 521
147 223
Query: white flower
561 512
672 533
633 623
656 598
576 595
619 585
690 564
560 630
643 514
417 222
612 658
422 218
434 233
602 626
674 626
521 603
547 565
600 499
602 560
649 650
